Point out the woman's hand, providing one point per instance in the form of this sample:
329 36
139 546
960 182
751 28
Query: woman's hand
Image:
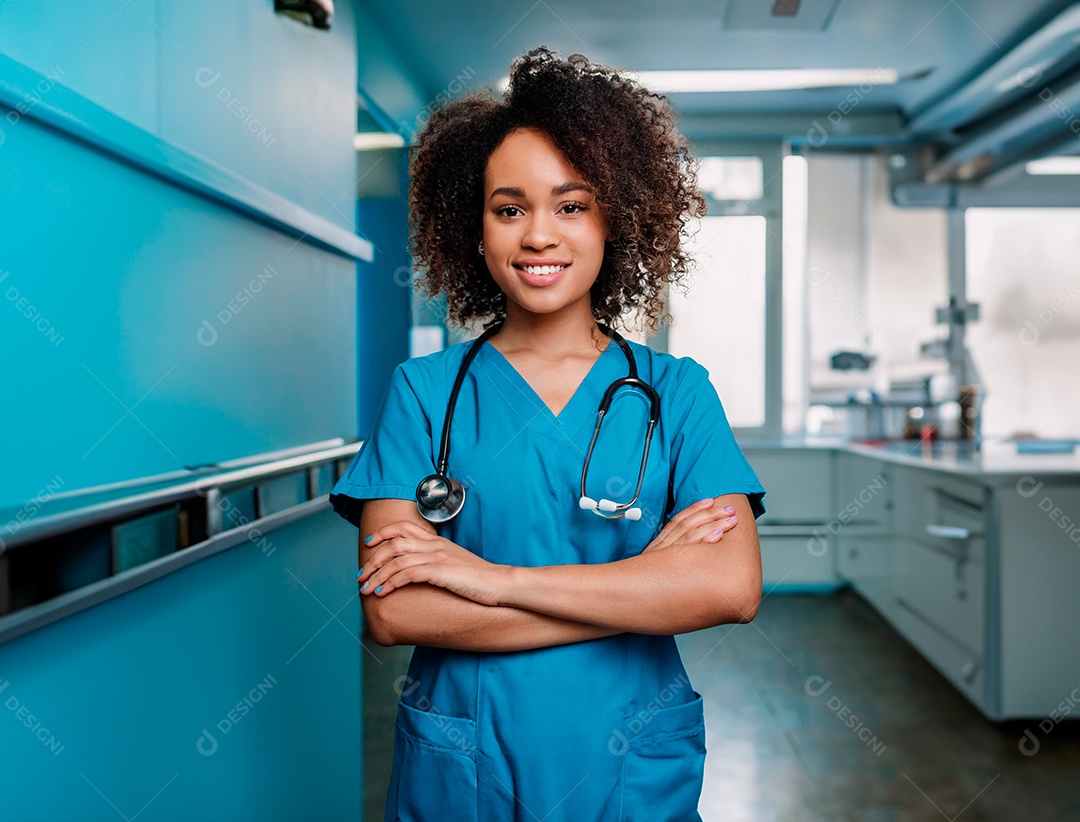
404 552
700 522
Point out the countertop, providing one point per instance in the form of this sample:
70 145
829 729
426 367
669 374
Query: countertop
997 459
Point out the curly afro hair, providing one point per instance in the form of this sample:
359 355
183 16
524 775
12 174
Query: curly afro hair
618 135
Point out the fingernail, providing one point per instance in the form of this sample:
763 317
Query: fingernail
730 509
364 587
718 532
705 502
730 520
367 539
378 589
360 573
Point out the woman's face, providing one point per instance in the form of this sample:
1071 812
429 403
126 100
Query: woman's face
543 232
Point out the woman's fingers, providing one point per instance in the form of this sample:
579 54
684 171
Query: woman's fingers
676 530
677 524
394 574
385 553
712 531
402 528
707 524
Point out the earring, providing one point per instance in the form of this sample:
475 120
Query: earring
481 250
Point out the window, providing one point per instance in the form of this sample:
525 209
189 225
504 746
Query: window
721 324
1021 269
730 321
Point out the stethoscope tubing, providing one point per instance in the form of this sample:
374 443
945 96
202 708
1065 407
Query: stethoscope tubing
605 508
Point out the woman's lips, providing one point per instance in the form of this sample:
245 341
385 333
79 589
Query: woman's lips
538 279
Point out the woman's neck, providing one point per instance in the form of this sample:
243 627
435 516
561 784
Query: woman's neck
552 335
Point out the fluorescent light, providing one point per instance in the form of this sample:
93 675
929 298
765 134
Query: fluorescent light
1054 165
763 79
371 140
756 79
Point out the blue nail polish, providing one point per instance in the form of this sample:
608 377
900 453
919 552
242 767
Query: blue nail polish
378 589
367 539
364 587
360 573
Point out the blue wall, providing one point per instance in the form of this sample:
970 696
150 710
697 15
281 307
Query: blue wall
265 658
178 268
384 303
115 279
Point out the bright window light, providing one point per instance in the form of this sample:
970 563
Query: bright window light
731 178
372 140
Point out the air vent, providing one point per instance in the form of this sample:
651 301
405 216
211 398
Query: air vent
780 15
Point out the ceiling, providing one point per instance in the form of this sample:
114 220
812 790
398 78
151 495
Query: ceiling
940 48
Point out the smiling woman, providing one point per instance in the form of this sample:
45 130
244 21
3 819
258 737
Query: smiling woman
544 622
639 172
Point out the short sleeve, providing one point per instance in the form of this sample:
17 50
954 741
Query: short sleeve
706 460
395 456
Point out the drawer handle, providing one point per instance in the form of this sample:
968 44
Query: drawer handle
948 531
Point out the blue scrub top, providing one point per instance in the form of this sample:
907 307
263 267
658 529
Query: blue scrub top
606 729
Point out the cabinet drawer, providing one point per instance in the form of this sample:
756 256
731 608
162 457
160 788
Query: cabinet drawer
964 669
945 588
799 485
863 490
862 556
796 560
955 525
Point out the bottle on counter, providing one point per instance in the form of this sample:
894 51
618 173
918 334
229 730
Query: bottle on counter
970 403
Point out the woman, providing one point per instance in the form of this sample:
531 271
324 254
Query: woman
546 682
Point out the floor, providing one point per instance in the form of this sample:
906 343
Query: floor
818 710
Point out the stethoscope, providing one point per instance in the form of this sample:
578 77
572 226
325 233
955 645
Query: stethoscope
440 497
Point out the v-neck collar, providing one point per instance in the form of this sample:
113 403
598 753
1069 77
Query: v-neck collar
582 400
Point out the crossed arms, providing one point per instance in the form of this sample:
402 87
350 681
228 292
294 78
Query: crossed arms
435 593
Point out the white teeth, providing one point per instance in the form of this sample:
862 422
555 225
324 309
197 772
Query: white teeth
542 270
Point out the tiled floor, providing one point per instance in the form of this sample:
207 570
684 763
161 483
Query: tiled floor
818 710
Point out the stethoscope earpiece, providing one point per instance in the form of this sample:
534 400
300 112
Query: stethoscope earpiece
607 507
439 497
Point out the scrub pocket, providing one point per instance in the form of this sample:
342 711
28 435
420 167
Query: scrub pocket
664 766
434 770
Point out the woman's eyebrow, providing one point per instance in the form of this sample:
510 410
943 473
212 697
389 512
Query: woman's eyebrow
512 191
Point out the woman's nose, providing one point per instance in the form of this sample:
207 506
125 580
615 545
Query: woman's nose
540 232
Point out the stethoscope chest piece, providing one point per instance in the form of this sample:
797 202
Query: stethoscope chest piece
439 498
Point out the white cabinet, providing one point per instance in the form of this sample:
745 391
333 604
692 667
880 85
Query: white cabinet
797 548
939 572
862 527
979 572
1038 600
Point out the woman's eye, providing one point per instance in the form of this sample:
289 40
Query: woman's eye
576 207
503 211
